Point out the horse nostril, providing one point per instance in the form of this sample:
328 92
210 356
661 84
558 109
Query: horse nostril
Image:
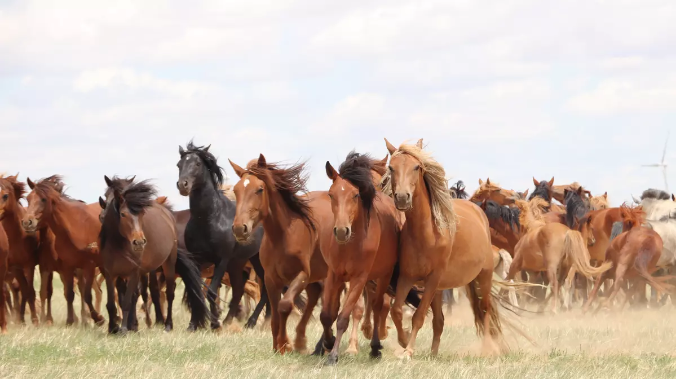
408 196
145 241
335 231
178 186
185 184
245 228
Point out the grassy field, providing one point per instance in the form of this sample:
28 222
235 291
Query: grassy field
634 344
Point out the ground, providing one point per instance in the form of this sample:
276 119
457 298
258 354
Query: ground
629 345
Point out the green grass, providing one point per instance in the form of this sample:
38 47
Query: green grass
633 344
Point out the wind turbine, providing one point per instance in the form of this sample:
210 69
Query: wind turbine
662 164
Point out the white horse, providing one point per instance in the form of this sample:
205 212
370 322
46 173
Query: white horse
660 209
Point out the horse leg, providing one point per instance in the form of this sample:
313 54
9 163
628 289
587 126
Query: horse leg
113 328
404 285
237 284
144 297
46 276
264 301
132 284
343 321
67 276
313 290
569 285
330 306
437 321
379 313
155 296
88 274
274 294
27 295
212 293
619 278
3 276
383 333
286 307
169 269
431 284
366 326
133 320
357 314
552 274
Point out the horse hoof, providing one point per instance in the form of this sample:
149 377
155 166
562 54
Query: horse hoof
352 351
100 322
328 345
215 326
332 360
250 324
376 354
191 328
168 328
114 330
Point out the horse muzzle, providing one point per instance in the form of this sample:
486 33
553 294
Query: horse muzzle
184 187
342 234
402 201
242 231
30 225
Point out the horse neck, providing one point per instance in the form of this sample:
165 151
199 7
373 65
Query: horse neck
72 220
530 222
12 222
419 219
205 203
278 218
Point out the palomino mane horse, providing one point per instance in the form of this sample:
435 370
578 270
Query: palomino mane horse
275 197
635 254
138 235
493 191
76 228
436 249
600 202
208 232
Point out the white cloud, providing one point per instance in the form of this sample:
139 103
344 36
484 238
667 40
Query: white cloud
627 95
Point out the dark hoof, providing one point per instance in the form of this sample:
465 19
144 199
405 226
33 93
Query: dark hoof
332 360
114 329
376 353
250 324
100 321
319 348
328 344
159 322
191 328
123 331
215 325
168 328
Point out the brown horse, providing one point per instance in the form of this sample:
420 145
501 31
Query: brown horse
492 191
4 254
268 195
27 249
634 254
437 248
364 247
552 248
600 202
76 228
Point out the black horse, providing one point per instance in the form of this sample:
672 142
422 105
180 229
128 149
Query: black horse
208 233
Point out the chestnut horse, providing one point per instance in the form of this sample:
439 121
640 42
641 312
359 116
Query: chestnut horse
4 254
634 254
76 228
27 249
492 191
138 235
438 249
274 197
363 246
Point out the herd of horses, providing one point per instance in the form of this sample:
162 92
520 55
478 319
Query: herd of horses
386 233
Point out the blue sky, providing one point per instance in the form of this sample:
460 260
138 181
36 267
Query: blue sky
580 90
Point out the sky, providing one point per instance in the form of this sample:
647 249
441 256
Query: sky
510 89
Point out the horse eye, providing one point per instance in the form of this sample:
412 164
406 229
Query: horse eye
356 196
44 200
390 168
5 197
199 164
123 214
416 168
259 191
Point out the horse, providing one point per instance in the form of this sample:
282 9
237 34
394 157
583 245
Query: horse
76 228
208 231
4 254
458 191
553 248
364 246
559 192
493 191
276 198
634 254
599 202
138 235
436 248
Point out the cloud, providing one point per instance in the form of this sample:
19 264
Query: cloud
628 95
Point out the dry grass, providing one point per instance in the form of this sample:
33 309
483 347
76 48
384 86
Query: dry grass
635 344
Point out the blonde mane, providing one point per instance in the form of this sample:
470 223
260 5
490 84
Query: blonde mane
599 202
228 192
435 179
532 212
487 187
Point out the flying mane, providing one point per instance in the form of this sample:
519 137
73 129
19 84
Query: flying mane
210 162
632 216
437 185
508 215
576 208
356 169
52 185
458 191
18 187
290 183
532 213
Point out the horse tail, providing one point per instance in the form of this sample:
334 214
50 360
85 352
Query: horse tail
616 230
641 265
194 296
413 297
575 248
474 296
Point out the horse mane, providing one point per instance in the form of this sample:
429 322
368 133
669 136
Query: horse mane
532 212
119 184
458 191
599 202
632 216
655 194
51 185
576 208
543 191
509 216
288 182
356 169
228 192
12 182
138 196
486 187
210 162
437 185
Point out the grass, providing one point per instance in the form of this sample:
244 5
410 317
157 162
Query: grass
633 344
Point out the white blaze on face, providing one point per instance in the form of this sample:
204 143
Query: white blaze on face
342 188
246 182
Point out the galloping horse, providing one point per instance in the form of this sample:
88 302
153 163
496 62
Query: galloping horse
208 232
364 247
138 235
4 253
76 228
270 195
634 253
444 242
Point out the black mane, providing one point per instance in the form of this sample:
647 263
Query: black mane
357 170
508 215
458 191
655 194
138 196
576 208
542 190
210 162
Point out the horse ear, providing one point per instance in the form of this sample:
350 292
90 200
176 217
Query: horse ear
535 182
481 182
207 148
238 170
331 172
551 182
15 176
261 161
384 161
488 181
132 178
118 196
419 143
180 150
579 191
102 203
605 195
109 182
30 183
673 198
525 193
390 147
